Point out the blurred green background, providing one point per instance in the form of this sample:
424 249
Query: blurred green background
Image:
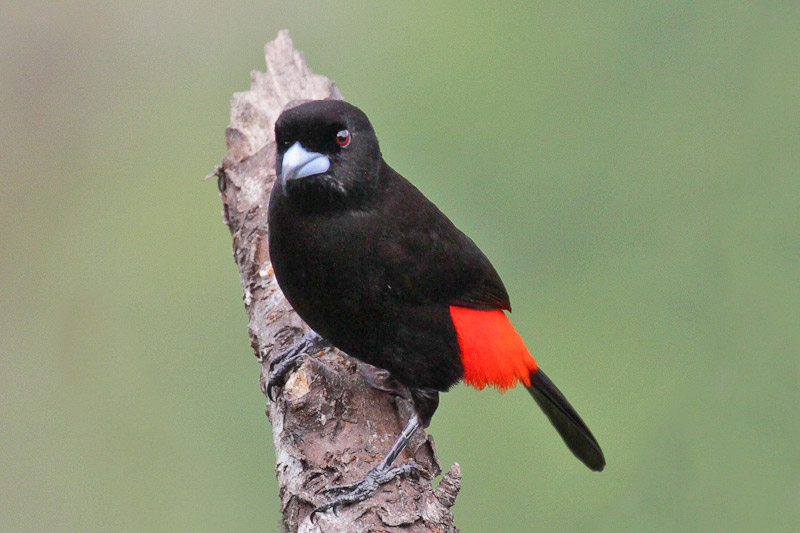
632 169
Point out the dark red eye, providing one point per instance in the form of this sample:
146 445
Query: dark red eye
343 138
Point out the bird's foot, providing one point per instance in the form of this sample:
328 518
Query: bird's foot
288 360
366 488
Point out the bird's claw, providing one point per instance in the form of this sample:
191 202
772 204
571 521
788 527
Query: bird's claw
281 369
288 360
361 490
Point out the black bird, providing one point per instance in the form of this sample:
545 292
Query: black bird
379 272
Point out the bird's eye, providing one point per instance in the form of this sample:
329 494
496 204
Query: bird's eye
343 138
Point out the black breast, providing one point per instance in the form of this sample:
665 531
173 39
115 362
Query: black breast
347 274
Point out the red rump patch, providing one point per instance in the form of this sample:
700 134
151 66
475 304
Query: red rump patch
492 351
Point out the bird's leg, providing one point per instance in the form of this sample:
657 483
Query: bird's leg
382 473
289 359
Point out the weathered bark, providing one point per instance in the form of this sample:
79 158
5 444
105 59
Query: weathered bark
329 426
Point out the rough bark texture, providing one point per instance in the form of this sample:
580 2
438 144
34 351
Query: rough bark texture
328 424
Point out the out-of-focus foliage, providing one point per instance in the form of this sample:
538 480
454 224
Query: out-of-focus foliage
632 169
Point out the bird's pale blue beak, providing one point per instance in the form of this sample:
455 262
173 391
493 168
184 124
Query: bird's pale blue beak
299 163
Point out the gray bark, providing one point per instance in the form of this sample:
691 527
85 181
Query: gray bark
329 426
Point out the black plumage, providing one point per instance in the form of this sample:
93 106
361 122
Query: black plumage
374 267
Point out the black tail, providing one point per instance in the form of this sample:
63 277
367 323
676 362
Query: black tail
569 425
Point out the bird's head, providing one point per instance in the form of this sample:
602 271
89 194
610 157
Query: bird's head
327 151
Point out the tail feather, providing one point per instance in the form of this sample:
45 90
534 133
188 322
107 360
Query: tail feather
567 422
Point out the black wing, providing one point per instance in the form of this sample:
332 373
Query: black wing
432 260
